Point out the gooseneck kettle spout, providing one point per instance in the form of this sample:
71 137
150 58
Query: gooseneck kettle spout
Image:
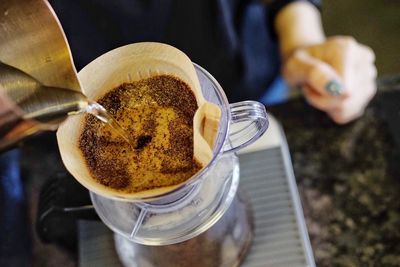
28 107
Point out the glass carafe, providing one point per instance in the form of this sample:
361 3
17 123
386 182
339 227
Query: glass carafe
148 230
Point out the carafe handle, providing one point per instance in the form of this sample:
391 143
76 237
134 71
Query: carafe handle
249 121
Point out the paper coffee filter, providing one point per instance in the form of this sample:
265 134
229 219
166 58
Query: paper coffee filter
126 64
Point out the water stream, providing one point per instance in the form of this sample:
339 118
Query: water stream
101 113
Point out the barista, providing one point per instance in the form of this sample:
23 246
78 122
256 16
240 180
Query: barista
245 44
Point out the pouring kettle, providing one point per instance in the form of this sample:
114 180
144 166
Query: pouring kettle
39 86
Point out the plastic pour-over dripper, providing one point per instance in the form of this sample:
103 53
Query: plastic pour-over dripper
125 65
193 208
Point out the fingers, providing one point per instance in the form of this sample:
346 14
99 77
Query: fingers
347 56
304 69
352 107
337 76
342 110
369 71
343 117
365 84
319 101
366 53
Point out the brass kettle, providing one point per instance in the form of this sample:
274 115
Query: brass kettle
39 86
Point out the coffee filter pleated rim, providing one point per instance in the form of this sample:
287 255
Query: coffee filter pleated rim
127 64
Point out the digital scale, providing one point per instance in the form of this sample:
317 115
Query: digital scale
267 181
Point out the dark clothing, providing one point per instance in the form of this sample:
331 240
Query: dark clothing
232 39
15 247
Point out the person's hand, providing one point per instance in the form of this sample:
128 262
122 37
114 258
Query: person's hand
336 76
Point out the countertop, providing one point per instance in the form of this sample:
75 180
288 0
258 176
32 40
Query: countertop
348 178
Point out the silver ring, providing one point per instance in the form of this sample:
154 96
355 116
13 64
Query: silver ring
334 88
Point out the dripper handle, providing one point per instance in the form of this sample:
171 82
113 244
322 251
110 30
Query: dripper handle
249 121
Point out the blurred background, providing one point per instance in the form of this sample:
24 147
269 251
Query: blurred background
375 23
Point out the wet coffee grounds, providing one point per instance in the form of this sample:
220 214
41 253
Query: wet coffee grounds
156 112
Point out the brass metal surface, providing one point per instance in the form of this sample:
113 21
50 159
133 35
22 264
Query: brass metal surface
39 86
32 40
